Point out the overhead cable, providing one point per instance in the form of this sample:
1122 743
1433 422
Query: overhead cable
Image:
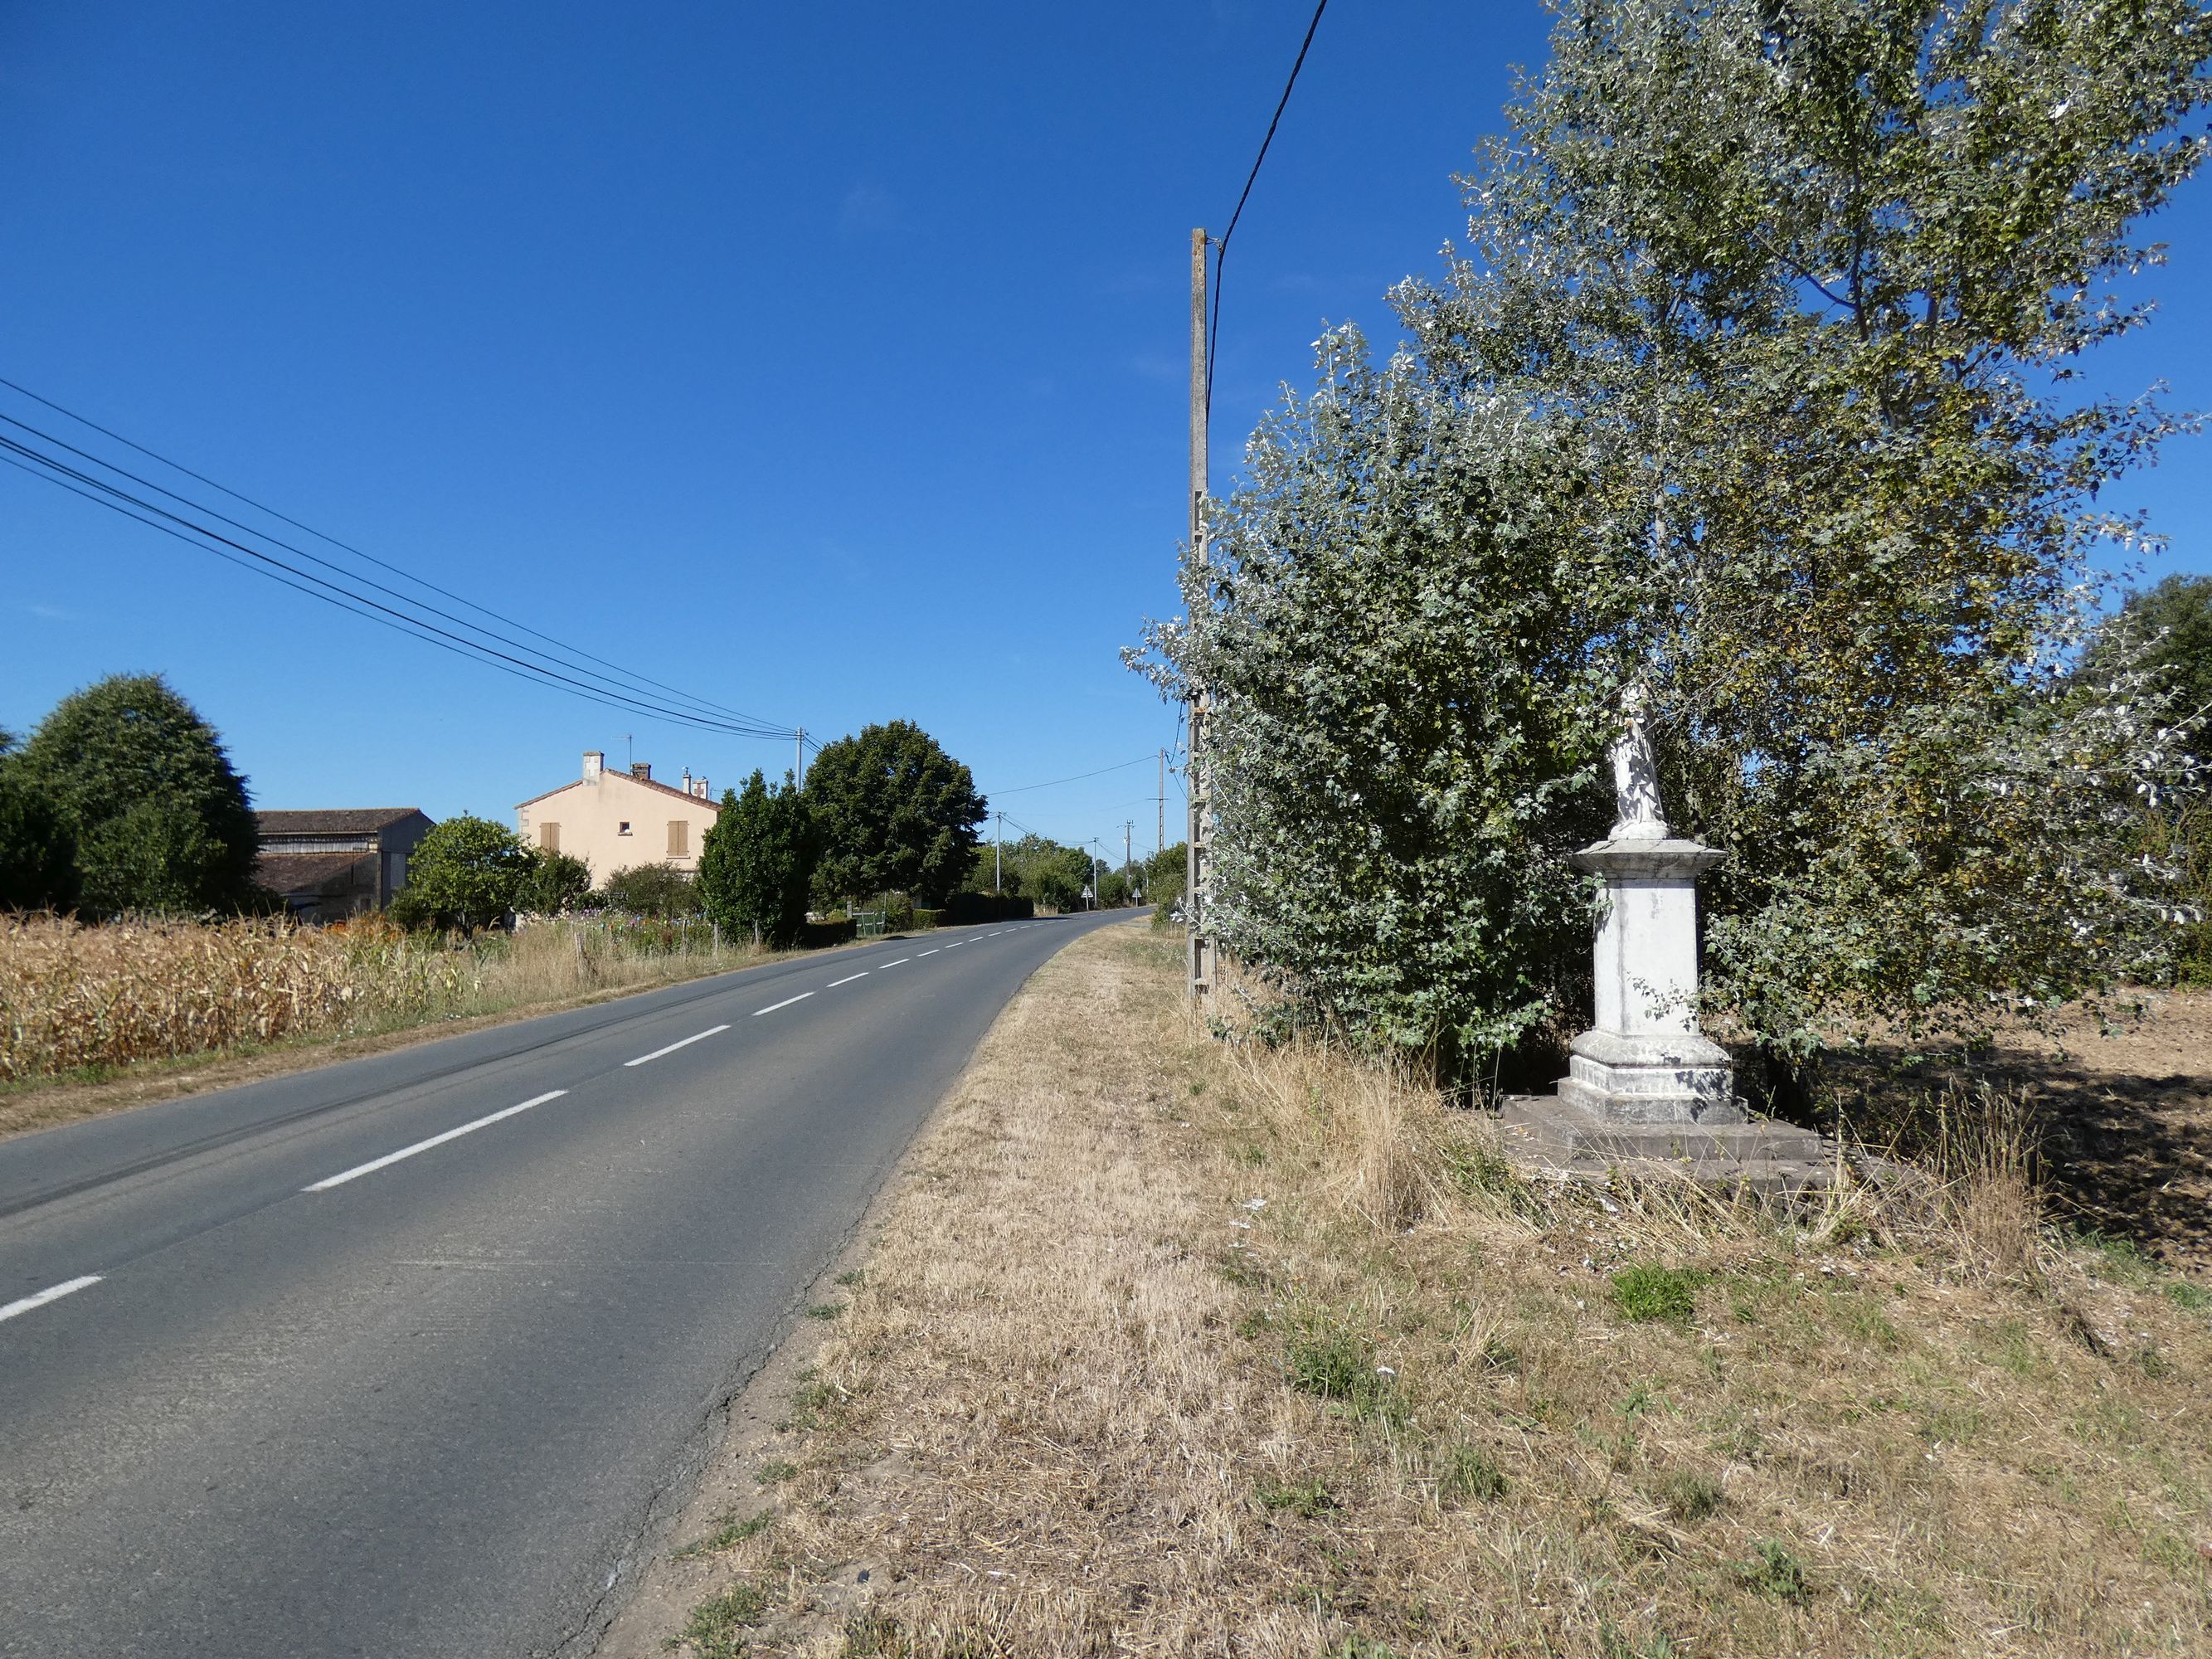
1053 783
98 490
624 684
1221 254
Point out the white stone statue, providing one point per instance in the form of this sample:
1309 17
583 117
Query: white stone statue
1635 774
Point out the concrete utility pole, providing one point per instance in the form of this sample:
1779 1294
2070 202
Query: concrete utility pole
998 856
1128 827
1200 960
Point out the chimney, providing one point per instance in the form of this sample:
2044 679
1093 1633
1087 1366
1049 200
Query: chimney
699 788
688 789
595 761
642 770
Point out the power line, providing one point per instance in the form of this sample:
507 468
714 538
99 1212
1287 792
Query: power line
1054 783
339 603
613 685
571 652
100 491
1221 254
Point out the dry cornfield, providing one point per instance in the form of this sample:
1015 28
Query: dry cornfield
74 997
78 998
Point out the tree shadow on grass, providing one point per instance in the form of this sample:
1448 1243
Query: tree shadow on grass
2128 1155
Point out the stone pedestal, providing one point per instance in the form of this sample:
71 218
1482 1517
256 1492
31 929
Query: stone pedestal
1645 1061
1644 1086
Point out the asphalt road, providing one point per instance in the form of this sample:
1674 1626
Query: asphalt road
408 1356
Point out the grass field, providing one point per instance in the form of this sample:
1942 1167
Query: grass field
1166 1347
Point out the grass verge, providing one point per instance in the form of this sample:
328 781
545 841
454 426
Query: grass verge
1169 1346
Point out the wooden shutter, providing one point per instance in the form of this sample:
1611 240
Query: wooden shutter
679 839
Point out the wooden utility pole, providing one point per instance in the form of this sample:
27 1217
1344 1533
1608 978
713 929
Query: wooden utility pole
798 756
1201 962
1160 833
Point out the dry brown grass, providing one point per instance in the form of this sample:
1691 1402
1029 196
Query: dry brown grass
87 1001
1168 1347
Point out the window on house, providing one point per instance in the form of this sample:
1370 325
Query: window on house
549 837
622 828
679 839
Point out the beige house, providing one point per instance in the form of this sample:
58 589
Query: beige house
619 820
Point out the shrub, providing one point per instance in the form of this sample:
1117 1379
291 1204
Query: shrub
555 882
757 861
965 909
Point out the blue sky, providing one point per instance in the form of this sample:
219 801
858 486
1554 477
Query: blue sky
826 362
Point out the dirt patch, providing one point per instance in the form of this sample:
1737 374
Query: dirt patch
2125 1124
1168 1347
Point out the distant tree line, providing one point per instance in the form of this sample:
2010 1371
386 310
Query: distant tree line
124 800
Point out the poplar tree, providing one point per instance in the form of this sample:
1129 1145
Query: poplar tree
1749 387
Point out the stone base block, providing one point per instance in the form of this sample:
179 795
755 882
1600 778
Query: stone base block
1562 1136
1672 1077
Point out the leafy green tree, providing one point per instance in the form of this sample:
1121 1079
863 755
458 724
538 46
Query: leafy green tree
465 873
2166 630
37 853
2162 637
160 819
554 881
660 890
1745 392
893 813
756 863
1051 874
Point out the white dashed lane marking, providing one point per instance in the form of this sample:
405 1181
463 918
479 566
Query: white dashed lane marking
51 1293
673 1046
785 1003
847 979
374 1165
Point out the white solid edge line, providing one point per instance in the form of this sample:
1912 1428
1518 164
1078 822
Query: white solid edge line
785 1003
53 1293
374 1165
673 1046
847 979
894 964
